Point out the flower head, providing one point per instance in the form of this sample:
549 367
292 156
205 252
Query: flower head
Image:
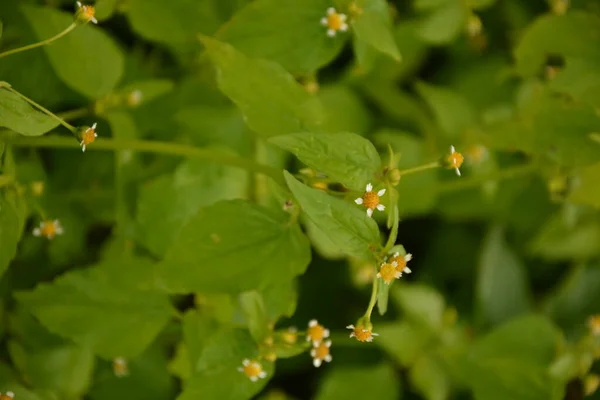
334 22
135 98
454 160
371 200
401 262
290 336
7 396
120 367
49 229
85 14
388 272
594 324
87 135
316 332
476 153
320 353
253 370
361 333
37 188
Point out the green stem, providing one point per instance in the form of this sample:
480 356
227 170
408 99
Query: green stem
46 111
74 114
420 168
373 299
42 43
507 173
394 233
6 180
151 147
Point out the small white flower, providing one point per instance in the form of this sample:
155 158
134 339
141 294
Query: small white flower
316 332
86 13
120 367
401 262
49 229
371 200
253 370
88 135
320 353
334 22
454 160
361 334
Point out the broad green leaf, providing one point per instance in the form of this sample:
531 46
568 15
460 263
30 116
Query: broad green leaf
272 102
12 221
444 22
255 312
374 27
234 246
9 379
216 375
17 115
166 204
344 157
346 111
421 304
66 369
573 36
321 242
429 377
105 9
87 60
502 290
346 225
368 382
452 112
404 341
175 22
280 299
85 306
266 28
512 362
588 189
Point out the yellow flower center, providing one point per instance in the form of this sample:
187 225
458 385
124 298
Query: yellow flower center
88 136
363 335
370 200
252 370
316 333
387 272
290 337
455 159
400 261
321 352
335 21
88 12
48 229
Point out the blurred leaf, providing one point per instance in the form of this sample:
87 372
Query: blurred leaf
346 111
588 189
271 101
452 112
234 246
346 225
444 22
105 9
66 369
216 375
502 288
420 303
17 115
168 203
265 29
344 157
75 56
430 379
91 310
8 379
255 313
322 244
406 342
280 299
369 381
149 89
383 293
374 27
175 22
12 221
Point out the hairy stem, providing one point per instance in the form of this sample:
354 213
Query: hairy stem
420 168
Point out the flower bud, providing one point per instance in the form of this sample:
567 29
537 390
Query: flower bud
85 14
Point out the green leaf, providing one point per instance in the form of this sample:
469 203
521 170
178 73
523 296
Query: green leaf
175 22
166 204
345 224
444 23
405 341
588 189
346 111
87 60
344 157
234 246
421 304
66 369
272 102
216 375
9 379
17 115
368 382
1 29
12 221
452 112
105 9
265 29
502 290
429 377
374 27
383 292
86 307
255 313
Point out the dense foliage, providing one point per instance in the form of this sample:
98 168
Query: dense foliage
326 199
